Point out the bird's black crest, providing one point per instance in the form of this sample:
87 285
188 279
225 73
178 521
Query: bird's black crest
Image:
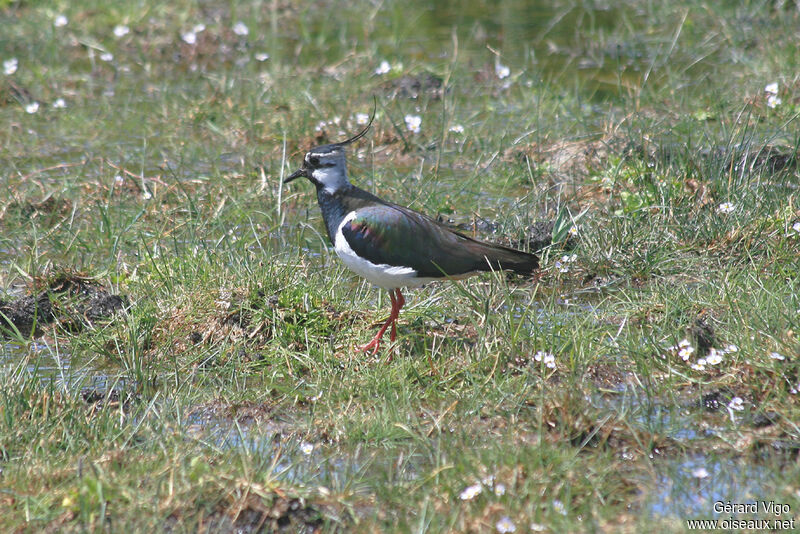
361 134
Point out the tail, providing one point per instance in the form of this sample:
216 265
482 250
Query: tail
498 257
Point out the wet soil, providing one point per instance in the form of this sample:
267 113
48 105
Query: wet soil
257 514
70 300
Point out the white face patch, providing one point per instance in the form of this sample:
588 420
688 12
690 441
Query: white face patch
331 178
328 169
381 275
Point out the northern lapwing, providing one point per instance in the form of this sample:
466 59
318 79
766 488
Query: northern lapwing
392 246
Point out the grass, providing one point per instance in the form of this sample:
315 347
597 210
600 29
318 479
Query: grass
229 397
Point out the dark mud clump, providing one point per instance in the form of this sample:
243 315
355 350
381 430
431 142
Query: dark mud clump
716 400
540 235
702 332
72 301
24 313
282 514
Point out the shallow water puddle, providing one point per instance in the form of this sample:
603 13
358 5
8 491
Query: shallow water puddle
49 365
685 485
680 423
689 487
299 461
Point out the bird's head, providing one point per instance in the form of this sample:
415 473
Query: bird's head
325 166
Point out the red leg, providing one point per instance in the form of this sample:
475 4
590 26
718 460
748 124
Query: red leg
376 341
400 302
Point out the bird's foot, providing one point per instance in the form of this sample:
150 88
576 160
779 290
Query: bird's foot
397 303
374 345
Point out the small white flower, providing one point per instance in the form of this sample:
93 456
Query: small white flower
559 507
573 230
796 227
700 365
320 126
501 71
536 527
774 101
119 180
121 30
506 525
700 472
383 68
726 207
714 357
470 492
685 349
199 28
31 108
500 489
737 404
189 38
413 123
10 66
240 28
60 21
771 88
777 356
261 56
107 56
59 103
548 358
457 128
731 348
147 195
561 264
306 448
362 118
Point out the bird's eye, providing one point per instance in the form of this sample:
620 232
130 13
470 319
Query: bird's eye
313 160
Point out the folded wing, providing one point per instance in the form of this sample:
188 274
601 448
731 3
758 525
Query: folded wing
397 236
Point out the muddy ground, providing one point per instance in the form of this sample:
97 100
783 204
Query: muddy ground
70 300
